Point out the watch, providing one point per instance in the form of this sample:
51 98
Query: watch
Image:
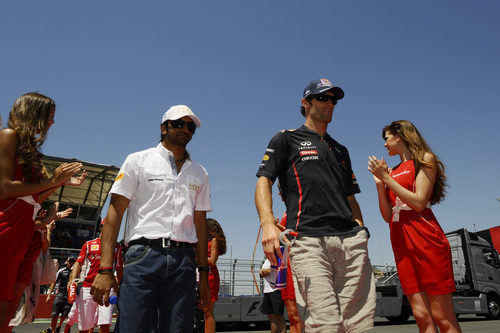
204 269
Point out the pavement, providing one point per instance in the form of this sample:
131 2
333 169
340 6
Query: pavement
468 323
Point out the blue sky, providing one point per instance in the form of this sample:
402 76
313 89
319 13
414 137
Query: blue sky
115 67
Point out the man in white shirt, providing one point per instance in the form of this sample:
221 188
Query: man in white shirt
167 195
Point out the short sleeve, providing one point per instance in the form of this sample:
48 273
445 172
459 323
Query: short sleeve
82 255
203 202
58 275
126 181
275 157
351 181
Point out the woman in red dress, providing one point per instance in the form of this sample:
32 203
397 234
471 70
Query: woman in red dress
23 186
421 249
216 248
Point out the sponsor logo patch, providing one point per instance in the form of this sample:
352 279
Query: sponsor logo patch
324 83
312 157
265 158
401 173
194 187
94 247
119 177
305 143
308 152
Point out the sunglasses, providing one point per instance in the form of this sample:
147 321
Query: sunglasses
325 98
179 123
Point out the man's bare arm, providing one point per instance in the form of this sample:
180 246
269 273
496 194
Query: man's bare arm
356 210
104 282
200 223
270 233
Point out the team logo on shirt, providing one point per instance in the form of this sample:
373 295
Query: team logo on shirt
305 143
119 177
308 152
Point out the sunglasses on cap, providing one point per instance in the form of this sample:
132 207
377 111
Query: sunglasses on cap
325 98
179 123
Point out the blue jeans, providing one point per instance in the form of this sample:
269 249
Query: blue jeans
157 292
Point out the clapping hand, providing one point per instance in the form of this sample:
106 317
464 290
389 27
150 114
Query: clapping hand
76 181
378 168
65 213
64 172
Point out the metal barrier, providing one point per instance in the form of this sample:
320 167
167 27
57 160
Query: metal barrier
61 254
236 277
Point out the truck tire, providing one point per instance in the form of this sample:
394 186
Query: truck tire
493 307
233 325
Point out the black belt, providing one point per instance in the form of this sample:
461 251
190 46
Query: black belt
160 242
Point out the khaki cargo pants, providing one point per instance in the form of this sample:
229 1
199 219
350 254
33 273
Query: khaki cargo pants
334 283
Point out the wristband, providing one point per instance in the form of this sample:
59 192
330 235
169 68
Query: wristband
204 269
105 271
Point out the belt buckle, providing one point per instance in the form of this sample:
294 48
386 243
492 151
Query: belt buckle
165 242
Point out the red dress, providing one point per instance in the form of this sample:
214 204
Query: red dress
213 278
16 233
421 249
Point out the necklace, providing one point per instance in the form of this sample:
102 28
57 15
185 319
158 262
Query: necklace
182 160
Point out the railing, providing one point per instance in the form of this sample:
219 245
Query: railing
61 254
384 275
236 277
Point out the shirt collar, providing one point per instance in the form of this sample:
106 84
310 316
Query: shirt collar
307 129
169 156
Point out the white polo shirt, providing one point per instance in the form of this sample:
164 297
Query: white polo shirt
162 202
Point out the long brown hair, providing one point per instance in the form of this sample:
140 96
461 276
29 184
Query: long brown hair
215 231
418 147
29 118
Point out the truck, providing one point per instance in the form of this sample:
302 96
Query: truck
240 294
476 270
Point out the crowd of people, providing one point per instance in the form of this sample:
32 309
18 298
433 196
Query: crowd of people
168 236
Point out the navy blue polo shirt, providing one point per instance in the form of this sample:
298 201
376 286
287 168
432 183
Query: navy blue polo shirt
316 177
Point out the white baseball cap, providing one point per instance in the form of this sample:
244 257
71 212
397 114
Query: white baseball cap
179 111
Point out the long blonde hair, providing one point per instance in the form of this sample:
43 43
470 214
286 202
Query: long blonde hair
29 118
418 147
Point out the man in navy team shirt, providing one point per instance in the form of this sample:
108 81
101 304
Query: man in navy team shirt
61 306
331 271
